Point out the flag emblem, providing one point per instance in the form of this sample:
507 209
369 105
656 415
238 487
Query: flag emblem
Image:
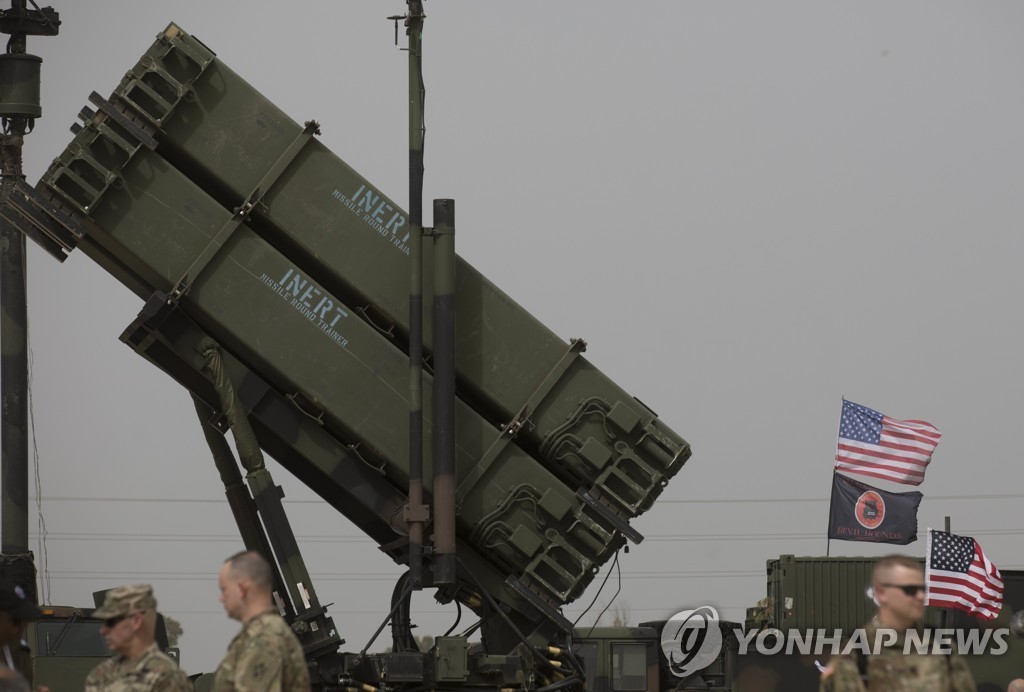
859 512
870 510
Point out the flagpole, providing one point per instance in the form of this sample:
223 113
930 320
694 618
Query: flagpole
828 540
944 617
831 495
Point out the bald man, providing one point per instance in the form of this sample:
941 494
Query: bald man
899 589
266 655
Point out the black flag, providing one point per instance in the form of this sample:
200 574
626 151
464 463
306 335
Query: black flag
862 513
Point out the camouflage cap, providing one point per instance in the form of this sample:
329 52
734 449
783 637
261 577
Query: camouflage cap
125 600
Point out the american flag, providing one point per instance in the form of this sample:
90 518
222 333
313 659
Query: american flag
873 444
960 576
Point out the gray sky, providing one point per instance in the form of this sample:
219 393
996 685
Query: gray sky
747 209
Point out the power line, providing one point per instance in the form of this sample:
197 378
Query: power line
432 611
376 576
210 578
361 538
695 501
387 575
187 538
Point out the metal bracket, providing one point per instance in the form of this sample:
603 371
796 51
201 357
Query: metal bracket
416 513
608 515
145 329
112 125
42 220
537 602
307 406
199 53
140 131
242 212
522 417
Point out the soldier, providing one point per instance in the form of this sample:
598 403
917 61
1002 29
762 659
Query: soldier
899 590
266 654
129 629
15 613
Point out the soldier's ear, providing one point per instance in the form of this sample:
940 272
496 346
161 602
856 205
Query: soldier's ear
871 594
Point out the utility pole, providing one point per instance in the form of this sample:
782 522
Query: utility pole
19 107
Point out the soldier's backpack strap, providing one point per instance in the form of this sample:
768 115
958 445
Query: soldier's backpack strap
861 659
862 663
862 666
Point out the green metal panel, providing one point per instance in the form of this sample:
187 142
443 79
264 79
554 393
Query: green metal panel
824 593
829 593
304 340
348 236
243 231
19 85
451 654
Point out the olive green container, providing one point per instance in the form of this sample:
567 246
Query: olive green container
195 191
346 235
305 343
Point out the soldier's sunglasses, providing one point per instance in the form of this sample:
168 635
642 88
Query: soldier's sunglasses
114 621
909 589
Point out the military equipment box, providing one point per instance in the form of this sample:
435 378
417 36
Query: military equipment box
830 593
819 593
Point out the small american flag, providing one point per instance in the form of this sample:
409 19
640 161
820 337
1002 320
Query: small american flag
873 444
960 576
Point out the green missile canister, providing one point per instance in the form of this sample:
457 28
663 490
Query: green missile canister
349 236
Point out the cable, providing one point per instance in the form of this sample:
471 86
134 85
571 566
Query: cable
560 685
472 628
44 578
401 617
610 600
598 594
504 616
383 624
458 617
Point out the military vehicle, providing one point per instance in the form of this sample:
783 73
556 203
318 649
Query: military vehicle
284 291
65 644
277 288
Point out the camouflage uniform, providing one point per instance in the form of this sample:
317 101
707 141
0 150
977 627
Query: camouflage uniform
264 656
892 671
153 670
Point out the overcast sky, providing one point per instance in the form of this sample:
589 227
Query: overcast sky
748 210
